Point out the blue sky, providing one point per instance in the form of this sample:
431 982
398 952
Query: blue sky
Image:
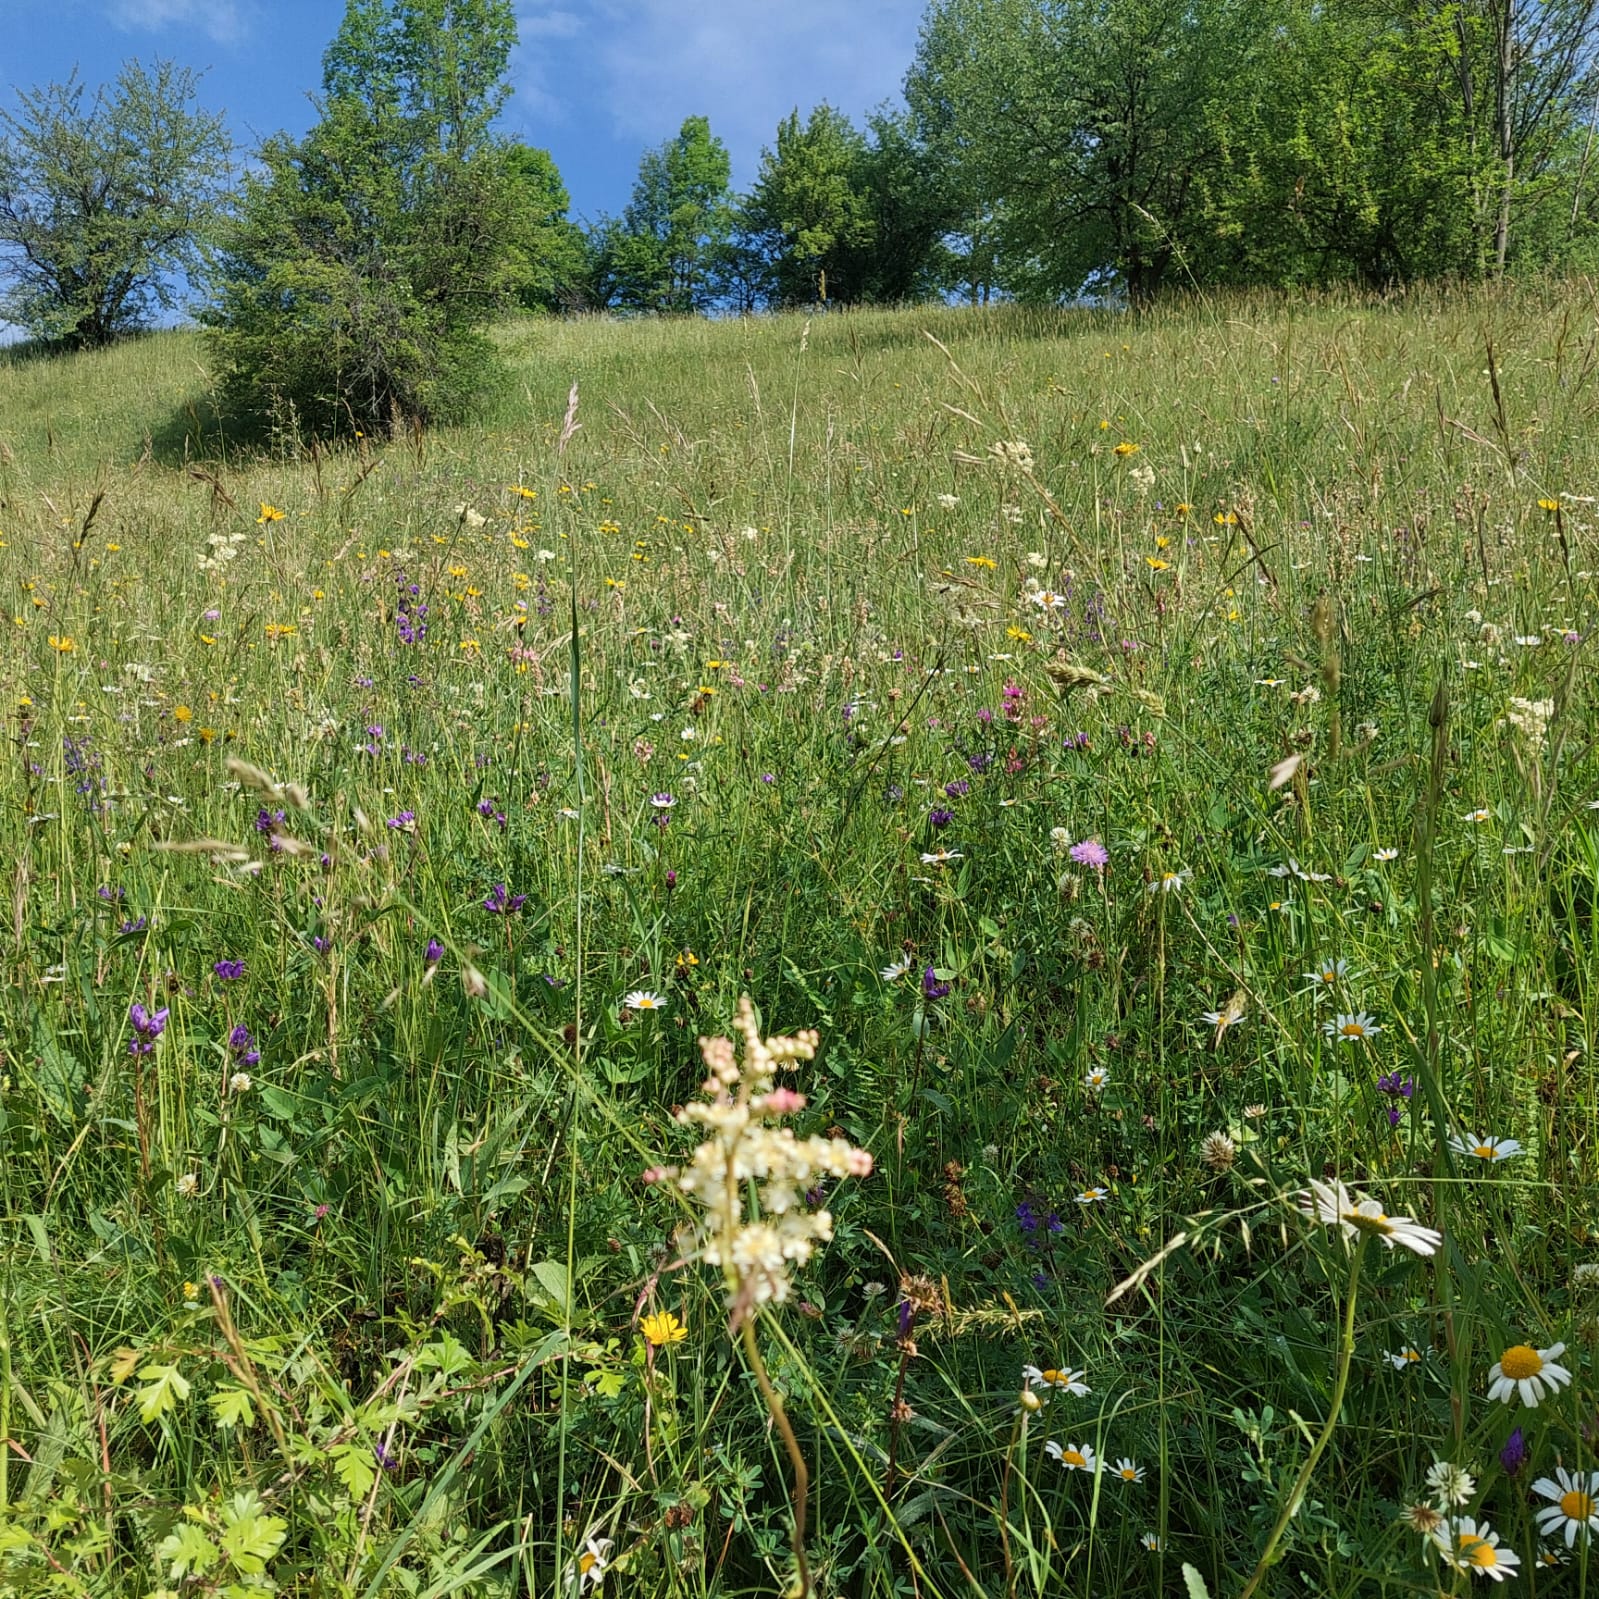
594 81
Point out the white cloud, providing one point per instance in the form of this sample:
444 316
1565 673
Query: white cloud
644 65
220 20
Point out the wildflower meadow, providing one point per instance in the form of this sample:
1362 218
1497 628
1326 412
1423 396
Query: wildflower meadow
912 953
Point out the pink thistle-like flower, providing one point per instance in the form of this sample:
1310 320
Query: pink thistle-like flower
1091 853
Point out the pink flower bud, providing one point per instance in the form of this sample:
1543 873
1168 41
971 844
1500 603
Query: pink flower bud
781 1101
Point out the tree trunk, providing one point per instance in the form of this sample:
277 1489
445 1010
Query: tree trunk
1505 94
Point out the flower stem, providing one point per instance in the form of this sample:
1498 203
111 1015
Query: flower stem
1346 1350
802 1476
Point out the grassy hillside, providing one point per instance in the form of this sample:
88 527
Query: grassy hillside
1157 756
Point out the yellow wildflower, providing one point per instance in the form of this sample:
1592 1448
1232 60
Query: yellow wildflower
663 1328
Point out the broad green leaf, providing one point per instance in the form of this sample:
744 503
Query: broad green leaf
166 1389
355 1467
250 1537
1194 1583
188 1550
234 1407
550 1275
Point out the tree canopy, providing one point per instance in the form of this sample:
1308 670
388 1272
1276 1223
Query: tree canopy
105 201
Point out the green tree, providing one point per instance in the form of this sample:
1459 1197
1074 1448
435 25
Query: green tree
913 207
662 254
553 264
810 212
1095 123
105 207
366 258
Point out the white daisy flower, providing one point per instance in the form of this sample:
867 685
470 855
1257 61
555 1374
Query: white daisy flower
1481 814
1490 1151
1129 1470
1387 853
1360 1217
1093 1196
1153 1542
1450 1484
894 971
940 856
1168 882
1047 1377
1096 1078
1351 1027
1576 1504
1327 974
1402 1359
1529 1372
589 1566
1474 1547
1072 1457
643 999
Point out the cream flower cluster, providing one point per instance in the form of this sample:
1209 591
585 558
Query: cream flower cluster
740 1105
222 547
1530 719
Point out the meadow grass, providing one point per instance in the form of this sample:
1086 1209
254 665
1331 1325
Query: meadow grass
1155 753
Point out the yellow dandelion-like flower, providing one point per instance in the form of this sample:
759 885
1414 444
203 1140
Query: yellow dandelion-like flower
984 561
1156 564
663 1328
1546 504
63 643
1125 449
182 713
269 513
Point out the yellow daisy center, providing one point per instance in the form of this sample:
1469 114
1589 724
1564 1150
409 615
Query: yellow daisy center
1484 1151
1070 1457
1477 1551
1576 1506
586 1562
1129 1473
1521 1362
1352 1030
1361 1222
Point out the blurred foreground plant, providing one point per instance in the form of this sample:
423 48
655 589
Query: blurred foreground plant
756 1251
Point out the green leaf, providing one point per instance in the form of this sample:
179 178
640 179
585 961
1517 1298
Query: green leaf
608 1384
355 1467
166 1388
234 1407
447 1354
1194 1583
250 1537
551 1277
188 1550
